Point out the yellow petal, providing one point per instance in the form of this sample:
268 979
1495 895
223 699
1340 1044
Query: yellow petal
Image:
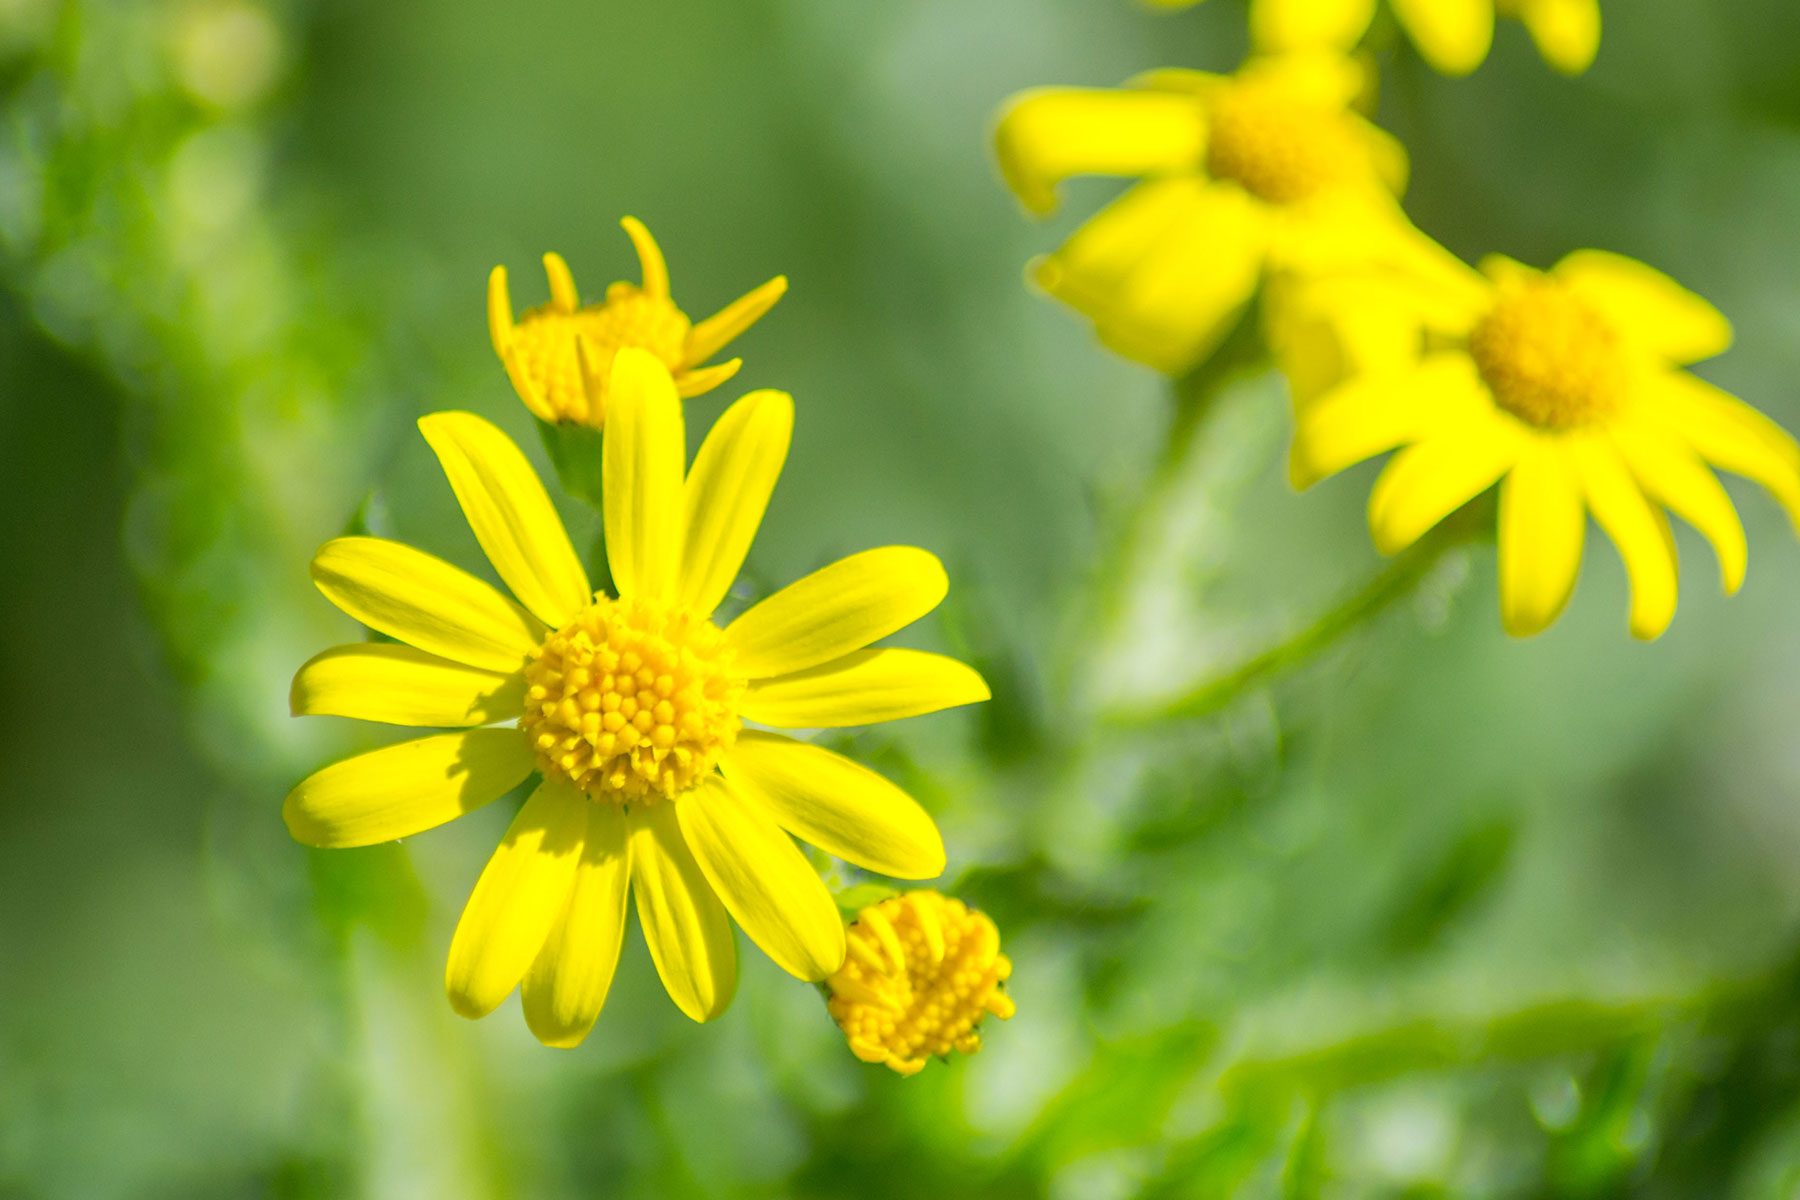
1376 413
499 312
717 331
644 451
764 880
379 681
701 380
1282 25
521 893
686 927
1164 271
1567 32
563 296
1541 529
728 491
837 609
568 982
1647 306
1729 434
1639 531
425 602
1429 481
838 805
864 688
1673 475
511 514
1047 135
651 263
1453 35
401 790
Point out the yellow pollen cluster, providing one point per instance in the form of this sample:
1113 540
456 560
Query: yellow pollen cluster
632 702
545 341
1278 150
1549 359
922 972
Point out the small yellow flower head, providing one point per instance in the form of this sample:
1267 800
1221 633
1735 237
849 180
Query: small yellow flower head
922 972
632 701
1270 170
559 355
1566 390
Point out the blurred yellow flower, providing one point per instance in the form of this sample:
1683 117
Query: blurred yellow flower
1565 388
559 355
1246 175
1453 35
922 972
632 708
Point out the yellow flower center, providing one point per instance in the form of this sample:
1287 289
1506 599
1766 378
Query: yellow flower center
922 972
545 342
1549 359
1278 149
631 701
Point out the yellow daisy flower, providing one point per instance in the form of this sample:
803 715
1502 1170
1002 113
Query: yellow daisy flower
633 708
1454 36
922 972
559 355
1264 171
1564 387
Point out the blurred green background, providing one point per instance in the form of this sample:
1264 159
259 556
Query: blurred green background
1439 914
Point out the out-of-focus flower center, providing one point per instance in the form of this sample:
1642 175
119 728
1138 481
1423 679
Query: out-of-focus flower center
545 342
1549 359
1278 149
922 972
631 701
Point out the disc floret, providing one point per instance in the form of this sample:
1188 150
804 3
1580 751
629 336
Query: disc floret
631 701
1548 357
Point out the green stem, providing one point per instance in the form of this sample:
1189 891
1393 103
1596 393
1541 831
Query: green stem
1399 579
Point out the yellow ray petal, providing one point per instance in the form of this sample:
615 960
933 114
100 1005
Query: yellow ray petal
1453 35
568 982
499 311
398 685
764 880
1639 531
1047 135
644 451
425 602
563 295
838 805
727 492
714 333
1673 475
1164 271
650 258
1376 413
401 790
1567 32
511 514
701 380
837 609
1729 434
1280 26
686 927
1646 306
864 688
1542 525
1429 481
521 893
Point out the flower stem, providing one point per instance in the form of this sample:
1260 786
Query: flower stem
1398 580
